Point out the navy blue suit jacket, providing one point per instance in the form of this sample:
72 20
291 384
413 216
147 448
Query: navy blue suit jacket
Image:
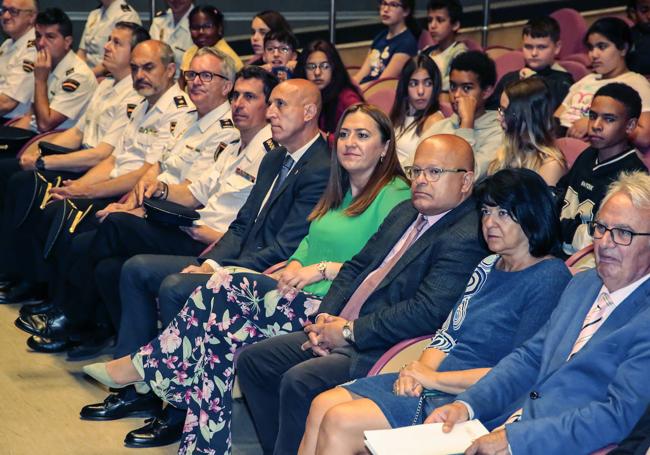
580 405
259 239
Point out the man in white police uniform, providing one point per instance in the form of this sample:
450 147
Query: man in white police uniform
99 25
17 57
173 27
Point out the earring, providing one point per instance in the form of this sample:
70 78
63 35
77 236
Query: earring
381 158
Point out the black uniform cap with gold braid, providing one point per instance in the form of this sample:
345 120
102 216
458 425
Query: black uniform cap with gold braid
34 198
70 85
66 221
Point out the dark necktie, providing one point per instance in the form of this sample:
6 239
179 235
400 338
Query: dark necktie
282 176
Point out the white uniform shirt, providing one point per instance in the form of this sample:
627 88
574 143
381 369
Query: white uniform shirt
199 147
100 24
70 86
108 112
17 60
148 132
224 188
176 35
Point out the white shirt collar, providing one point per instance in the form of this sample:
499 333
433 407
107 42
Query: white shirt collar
215 114
28 35
301 151
621 294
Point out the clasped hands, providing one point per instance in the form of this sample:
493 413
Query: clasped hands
325 334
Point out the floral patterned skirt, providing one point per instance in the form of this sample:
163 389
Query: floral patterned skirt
191 363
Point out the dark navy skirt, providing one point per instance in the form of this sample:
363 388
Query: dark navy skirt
400 411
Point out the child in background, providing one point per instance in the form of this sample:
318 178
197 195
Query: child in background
443 19
639 59
280 53
541 45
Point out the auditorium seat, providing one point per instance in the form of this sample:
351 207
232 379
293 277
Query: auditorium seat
381 93
571 148
572 31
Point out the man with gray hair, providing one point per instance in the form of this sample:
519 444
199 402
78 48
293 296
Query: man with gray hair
580 383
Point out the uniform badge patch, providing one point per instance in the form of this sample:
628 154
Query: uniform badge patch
70 85
180 101
172 126
31 43
270 144
240 172
226 123
220 148
126 8
129 109
69 72
28 66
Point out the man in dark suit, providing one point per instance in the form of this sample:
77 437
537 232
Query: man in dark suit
580 383
267 230
402 284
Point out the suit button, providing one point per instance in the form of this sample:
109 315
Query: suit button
534 395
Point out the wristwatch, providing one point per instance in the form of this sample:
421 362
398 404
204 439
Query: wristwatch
39 163
348 332
322 269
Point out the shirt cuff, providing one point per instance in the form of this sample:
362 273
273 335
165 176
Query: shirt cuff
212 263
470 411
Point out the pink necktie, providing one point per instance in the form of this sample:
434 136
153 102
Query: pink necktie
367 287
593 321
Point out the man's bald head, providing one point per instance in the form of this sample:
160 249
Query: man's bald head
450 160
152 68
294 107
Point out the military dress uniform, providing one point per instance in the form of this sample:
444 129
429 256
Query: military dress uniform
176 35
17 60
108 112
100 24
70 86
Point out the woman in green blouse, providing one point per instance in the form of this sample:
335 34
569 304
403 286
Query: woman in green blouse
190 364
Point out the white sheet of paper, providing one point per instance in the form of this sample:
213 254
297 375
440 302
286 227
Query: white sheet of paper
424 439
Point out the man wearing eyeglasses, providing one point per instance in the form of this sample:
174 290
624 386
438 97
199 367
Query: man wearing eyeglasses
17 57
580 383
613 115
401 285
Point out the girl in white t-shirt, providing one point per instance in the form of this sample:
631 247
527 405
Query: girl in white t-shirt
609 39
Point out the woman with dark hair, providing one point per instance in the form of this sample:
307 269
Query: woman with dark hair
529 140
391 48
608 40
263 23
416 106
508 298
321 63
206 28
190 364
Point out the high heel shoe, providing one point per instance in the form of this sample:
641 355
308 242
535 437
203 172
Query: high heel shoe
98 372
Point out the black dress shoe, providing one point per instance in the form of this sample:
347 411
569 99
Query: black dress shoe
157 432
119 405
91 348
54 325
24 292
39 308
48 345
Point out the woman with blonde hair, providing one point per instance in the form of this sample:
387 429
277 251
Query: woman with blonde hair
526 118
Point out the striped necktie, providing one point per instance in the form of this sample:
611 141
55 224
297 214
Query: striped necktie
595 318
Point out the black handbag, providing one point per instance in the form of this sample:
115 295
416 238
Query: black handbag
170 213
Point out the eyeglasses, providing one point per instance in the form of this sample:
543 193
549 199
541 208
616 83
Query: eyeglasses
392 5
619 236
13 12
205 76
431 174
282 49
323 66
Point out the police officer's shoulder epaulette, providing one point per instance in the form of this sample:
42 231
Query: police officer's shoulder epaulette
70 85
31 43
69 71
162 12
130 108
180 101
270 144
193 111
226 123
220 148
126 8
